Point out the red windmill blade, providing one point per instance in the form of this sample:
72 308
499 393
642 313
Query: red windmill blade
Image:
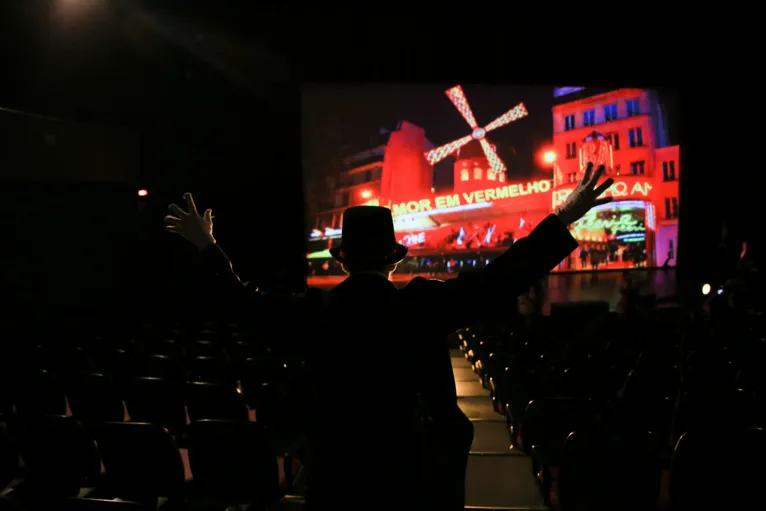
456 95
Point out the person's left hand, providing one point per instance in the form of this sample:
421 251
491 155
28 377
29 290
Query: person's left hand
196 228
585 196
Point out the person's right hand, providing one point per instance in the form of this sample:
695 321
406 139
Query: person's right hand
585 196
196 228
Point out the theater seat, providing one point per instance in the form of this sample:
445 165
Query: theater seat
205 400
158 366
706 476
10 459
142 461
233 463
211 369
204 349
94 398
156 401
60 457
39 392
78 504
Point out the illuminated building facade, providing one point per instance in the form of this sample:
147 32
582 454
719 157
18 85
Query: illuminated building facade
625 130
485 210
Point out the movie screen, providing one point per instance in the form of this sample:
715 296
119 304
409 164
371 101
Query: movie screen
467 170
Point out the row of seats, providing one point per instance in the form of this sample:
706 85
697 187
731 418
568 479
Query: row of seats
606 413
165 419
154 379
232 462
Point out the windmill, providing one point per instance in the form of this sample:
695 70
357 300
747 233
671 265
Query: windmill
456 95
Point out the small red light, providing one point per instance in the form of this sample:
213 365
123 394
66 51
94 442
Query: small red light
143 193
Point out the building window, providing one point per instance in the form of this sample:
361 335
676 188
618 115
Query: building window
464 176
571 150
614 138
668 171
635 137
491 175
610 113
667 208
589 118
341 200
633 107
569 122
572 177
637 168
674 207
477 173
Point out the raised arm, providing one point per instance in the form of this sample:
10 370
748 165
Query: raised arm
464 299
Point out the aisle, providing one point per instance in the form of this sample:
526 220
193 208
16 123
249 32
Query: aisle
498 477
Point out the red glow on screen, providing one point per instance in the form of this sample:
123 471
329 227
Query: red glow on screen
143 193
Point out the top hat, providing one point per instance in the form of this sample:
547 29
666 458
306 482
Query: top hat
368 236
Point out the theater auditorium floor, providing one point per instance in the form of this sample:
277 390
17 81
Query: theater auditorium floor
569 287
497 477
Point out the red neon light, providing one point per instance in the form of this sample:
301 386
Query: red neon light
456 95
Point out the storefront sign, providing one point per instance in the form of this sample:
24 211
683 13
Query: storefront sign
618 223
413 239
328 233
479 196
618 190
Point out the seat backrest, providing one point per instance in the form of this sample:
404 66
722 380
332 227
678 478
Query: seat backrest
206 400
141 458
56 449
233 456
10 466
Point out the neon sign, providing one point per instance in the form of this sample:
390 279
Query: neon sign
488 195
413 239
618 189
328 233
598 151
624 223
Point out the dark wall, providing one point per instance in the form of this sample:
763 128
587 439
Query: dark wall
38 148
66 246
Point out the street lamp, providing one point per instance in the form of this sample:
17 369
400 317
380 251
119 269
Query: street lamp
366 194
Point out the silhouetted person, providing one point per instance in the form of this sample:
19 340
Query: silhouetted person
384 425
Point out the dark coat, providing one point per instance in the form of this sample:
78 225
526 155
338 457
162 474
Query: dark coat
380 363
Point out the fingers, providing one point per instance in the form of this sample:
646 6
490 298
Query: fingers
605 200
603 187
190 204
599 172
177 211
172 220
588 173
208 215
173 228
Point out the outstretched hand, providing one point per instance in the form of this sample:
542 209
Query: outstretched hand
585 196
196 228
